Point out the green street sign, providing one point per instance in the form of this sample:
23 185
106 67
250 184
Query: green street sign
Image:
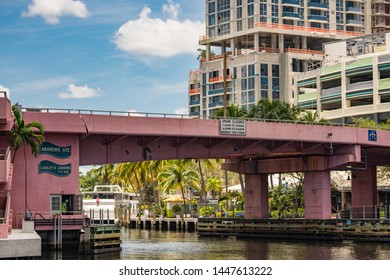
55 151
55 169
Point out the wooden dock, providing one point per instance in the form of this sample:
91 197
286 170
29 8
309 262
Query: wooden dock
99 239
166 224
334 229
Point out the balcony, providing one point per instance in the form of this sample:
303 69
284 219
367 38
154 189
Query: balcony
308 96
194 102
317 18
359 86
5 165
5 108
331 91
354 10
291 15
194 91
219 79
317 5
219 91
294 3
215 104
355 22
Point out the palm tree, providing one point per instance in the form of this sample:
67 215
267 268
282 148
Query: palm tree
232 199
177 176
232 110
312 117
274 110
210 165
104 172
214 185
22 135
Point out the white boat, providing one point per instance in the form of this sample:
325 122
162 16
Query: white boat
99 204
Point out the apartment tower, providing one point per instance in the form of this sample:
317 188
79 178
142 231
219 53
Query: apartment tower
254 47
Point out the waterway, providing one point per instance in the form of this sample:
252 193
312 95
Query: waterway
164 245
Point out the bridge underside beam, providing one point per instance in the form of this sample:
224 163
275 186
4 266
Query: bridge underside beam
296 164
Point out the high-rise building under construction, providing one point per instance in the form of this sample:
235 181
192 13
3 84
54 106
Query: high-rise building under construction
253 48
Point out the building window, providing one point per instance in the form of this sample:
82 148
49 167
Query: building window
264 69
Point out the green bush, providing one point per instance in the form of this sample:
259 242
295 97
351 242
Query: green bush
176 208
206 211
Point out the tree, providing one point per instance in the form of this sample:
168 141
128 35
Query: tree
214 185
104 172
88 181
177 176
22 135
274 110
202 54
312 117
232 199
210 165
232 110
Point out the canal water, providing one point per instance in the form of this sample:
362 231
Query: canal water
165 245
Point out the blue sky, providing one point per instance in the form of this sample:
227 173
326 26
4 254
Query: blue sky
123 55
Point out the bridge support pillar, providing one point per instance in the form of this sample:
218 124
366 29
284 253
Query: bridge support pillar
364 193
256 196
317 195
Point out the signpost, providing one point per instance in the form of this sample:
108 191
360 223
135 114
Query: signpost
372 135
233 127
46 166
55 151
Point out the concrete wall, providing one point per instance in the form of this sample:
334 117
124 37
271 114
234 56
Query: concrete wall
41 185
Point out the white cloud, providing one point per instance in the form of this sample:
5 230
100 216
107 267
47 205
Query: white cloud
158 37
4 89
181 111
52 10
171 9
79 92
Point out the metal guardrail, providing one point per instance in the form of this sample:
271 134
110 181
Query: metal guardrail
170 115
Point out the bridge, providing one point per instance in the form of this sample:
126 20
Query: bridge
253 148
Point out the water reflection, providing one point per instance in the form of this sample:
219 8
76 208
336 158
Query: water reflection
164 245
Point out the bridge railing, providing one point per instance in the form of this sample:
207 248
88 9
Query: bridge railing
170 115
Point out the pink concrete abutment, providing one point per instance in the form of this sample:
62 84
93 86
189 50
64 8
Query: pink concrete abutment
317 195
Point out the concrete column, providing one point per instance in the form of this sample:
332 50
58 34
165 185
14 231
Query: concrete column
208 51
256 196
274 41
281 43
233 47
304 42
364 193
317 195
256 43
375 78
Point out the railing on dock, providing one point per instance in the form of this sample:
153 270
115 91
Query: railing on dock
331 229
57 232
100 216
365 212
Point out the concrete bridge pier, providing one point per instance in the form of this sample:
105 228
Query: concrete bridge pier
256 196
317 195
364 193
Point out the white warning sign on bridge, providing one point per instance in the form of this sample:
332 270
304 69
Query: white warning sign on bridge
233 127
